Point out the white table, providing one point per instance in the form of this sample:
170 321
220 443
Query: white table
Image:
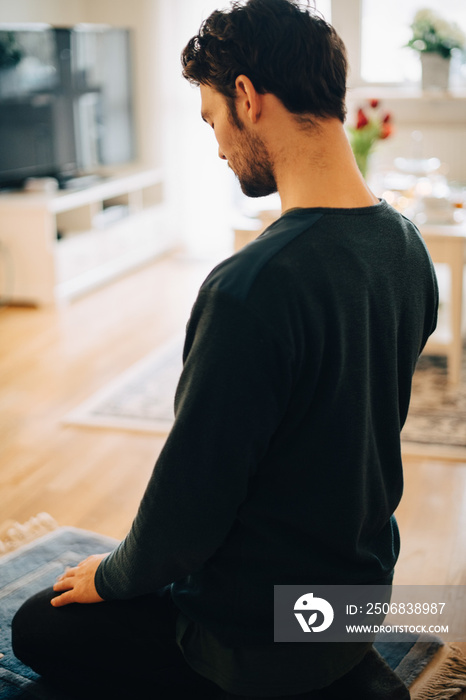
447 244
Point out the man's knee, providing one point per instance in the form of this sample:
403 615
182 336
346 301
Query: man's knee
30 627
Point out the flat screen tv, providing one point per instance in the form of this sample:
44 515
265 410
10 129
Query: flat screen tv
66 106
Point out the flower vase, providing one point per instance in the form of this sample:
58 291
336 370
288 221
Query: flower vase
362 159
435 71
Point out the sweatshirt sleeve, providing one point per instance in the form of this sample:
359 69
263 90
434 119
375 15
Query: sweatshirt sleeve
231 396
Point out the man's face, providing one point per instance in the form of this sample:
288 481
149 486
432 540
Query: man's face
245 151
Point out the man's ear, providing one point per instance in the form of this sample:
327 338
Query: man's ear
248 100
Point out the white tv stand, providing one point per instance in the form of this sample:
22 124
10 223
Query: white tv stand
60 245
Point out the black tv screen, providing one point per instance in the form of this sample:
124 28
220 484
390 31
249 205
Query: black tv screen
66 103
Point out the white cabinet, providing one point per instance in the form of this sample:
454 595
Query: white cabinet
56 246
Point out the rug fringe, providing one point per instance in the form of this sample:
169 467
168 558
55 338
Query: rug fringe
449 681
14 534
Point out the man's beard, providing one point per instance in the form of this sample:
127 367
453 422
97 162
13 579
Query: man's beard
251 162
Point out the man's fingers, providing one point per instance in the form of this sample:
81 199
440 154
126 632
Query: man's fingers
63 599
69 572
63 584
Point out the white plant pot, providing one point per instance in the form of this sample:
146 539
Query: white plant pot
435 71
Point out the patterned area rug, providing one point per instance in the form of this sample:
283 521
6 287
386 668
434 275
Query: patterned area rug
28 570
432 669
436 424
142 399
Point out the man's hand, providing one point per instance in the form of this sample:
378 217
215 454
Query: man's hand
78 583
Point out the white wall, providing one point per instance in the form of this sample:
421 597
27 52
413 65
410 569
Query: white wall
59 12
199 184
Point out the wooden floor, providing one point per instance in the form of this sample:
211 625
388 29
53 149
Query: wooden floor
53 359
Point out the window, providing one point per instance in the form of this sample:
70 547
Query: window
375 32
385 30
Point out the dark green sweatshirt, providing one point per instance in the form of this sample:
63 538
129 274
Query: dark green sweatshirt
284 464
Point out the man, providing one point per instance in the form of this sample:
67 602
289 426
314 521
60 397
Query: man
284 463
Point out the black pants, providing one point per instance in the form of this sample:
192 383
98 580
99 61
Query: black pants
127 649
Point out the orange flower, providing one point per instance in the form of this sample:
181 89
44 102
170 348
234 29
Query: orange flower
386 130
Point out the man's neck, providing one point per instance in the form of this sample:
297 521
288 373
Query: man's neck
317 169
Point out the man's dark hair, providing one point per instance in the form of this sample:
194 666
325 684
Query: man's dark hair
282 47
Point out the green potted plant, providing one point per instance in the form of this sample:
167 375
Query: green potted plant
435 38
